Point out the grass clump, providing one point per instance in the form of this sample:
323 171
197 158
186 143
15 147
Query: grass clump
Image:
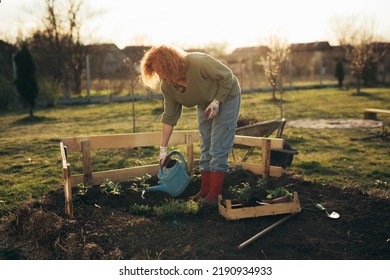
140 209
175 207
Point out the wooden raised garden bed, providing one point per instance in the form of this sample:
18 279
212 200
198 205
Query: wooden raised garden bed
85 144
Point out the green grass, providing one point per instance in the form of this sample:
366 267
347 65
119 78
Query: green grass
30 160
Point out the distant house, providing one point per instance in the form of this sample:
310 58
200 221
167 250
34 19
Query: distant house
311 59
135 52
244 64
308 60
382 50
105 60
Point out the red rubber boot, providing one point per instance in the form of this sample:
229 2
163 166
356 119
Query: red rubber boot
204 187
216 184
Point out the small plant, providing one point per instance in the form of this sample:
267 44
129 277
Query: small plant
109 187
195 177
141 183
381 184
82 189
262 183
140 209
279 192
242 190
174 207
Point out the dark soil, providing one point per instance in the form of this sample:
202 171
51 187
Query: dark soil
105 228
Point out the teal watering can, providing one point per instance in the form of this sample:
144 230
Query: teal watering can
172 177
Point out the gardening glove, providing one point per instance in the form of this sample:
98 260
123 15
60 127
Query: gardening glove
163 155
212 110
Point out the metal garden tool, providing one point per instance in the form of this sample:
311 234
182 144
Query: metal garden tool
333 215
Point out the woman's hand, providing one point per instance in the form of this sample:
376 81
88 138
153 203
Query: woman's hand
163 155
212 110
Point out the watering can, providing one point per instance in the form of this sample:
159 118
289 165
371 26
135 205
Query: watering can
172 177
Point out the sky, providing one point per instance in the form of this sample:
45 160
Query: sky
197 23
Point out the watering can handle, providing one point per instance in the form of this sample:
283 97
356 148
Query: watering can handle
179 154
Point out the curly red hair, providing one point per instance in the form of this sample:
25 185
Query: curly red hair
166 63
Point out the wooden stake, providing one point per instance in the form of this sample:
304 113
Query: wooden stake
68 192
266 157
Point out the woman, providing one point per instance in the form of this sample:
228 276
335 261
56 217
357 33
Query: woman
197 79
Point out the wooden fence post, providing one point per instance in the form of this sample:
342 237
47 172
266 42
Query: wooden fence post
68 191
266 157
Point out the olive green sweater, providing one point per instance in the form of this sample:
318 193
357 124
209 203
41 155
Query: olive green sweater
207 79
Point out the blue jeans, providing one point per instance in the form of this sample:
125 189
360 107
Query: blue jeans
217 136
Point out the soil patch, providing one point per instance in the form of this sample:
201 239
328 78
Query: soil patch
105 228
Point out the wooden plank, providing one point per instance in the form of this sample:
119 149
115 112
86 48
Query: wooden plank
274 171
87 167
118 175
371 113
251 141
373 110
180 137
128 140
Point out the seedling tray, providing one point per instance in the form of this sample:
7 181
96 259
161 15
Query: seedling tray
231 213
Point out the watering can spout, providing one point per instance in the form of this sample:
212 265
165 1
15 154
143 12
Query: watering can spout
161 188
173 177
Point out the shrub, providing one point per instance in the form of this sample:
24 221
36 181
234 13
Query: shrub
26 81
7 93
48 91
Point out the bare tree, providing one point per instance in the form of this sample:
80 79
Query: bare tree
216 49
357 37
275 64
362 55
58 46
76 49
133 76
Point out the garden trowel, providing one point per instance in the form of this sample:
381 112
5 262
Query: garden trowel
332 215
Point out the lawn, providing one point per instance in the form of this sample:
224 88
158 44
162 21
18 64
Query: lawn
30 159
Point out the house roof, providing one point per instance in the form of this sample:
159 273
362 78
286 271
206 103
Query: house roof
246 53
314 46
135 52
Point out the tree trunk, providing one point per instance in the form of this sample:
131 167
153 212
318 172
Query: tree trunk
273 92
358 85
133 105
281 105
31 113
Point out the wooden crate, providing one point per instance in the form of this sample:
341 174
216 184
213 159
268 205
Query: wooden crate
257 211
